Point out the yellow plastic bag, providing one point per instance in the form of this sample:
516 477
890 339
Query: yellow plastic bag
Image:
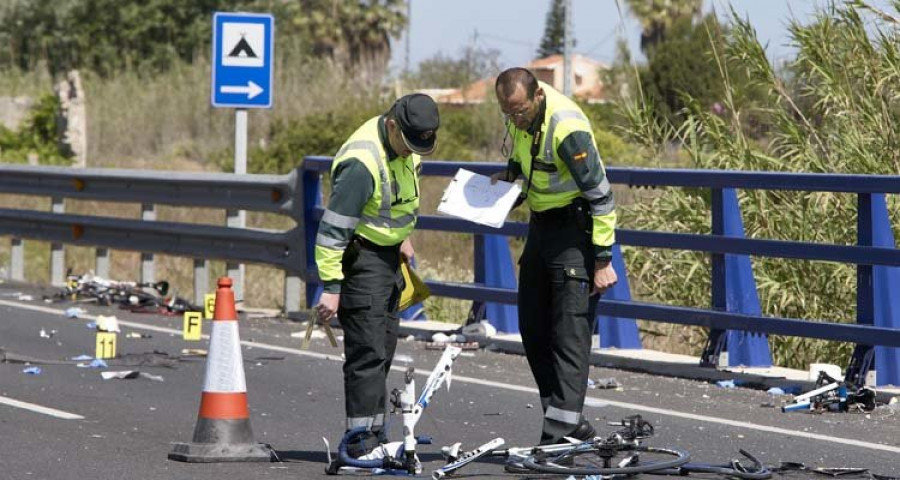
415 291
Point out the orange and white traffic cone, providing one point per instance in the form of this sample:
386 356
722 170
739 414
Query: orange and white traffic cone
223 432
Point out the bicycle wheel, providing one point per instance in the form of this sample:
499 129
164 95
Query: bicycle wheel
756 471
585 460
727 471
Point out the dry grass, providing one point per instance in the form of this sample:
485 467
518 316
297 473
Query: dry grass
166 123
15 83
139 122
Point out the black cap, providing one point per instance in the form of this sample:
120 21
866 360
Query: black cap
417 116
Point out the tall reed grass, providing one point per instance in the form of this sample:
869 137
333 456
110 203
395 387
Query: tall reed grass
833 109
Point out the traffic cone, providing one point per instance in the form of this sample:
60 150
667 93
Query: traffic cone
223 432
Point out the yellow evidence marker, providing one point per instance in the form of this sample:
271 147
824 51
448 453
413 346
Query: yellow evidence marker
106 345
73 286
209 305
193 325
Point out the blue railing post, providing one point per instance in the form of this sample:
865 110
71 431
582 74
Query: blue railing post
618 332
744 348
733 290
863 355
735 303
494 268
312 198
716 341
477 310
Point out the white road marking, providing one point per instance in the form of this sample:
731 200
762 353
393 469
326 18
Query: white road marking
593 402
39 409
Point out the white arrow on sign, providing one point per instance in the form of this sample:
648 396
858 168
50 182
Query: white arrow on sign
251 89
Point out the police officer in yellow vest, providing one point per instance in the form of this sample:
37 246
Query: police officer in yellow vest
362 238
566 260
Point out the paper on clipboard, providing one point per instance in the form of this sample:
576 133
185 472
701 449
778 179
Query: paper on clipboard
471 196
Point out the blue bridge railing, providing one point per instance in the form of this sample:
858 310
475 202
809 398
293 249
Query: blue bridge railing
734 319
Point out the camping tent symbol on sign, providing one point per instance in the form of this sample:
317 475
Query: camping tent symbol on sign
243 44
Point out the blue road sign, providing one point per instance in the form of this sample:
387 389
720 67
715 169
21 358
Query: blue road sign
242 60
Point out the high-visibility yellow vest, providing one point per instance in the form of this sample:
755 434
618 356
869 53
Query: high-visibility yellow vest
557 188
390 214
552 183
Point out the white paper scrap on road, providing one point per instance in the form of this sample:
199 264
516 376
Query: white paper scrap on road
471 196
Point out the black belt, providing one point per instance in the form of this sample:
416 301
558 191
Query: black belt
370 245
558 214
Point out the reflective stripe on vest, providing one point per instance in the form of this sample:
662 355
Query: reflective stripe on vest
329 242
382 221
338 220
384 210
555 186
600 191
388 222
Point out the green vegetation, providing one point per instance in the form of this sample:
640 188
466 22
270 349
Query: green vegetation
105 35
553 41
37 136
108 36
834 110
658 16
678 69
319 133
442 71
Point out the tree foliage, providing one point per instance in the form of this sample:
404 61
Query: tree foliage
553 42
836 109
354 33
106 35
442 71
150 35
684 66
657 16
37 135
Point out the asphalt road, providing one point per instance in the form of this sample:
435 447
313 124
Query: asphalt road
127 427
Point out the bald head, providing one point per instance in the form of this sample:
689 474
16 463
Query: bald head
513 78
519 97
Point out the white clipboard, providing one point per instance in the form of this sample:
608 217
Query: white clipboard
471 196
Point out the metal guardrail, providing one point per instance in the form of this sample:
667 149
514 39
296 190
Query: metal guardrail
721 244
263 193
298 196
279 194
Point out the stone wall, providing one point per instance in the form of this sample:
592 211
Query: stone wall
72 118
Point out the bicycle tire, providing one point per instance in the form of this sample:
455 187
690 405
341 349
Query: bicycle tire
689 468
757 471
680 458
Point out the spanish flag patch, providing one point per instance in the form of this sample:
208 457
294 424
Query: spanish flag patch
580 156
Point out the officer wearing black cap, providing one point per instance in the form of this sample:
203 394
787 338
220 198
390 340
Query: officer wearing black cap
362 238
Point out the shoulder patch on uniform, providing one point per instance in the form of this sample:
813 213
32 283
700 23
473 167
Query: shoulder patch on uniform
579 156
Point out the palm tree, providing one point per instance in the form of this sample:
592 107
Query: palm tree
354 33
657 16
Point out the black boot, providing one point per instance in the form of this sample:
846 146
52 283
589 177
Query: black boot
584 431
362 444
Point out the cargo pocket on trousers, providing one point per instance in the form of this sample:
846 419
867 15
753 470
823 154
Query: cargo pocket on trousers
394 300
355 301
575 289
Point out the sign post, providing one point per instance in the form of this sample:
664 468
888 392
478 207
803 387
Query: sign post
241 79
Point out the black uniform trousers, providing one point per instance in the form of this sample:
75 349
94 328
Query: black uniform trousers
370 294
556 314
